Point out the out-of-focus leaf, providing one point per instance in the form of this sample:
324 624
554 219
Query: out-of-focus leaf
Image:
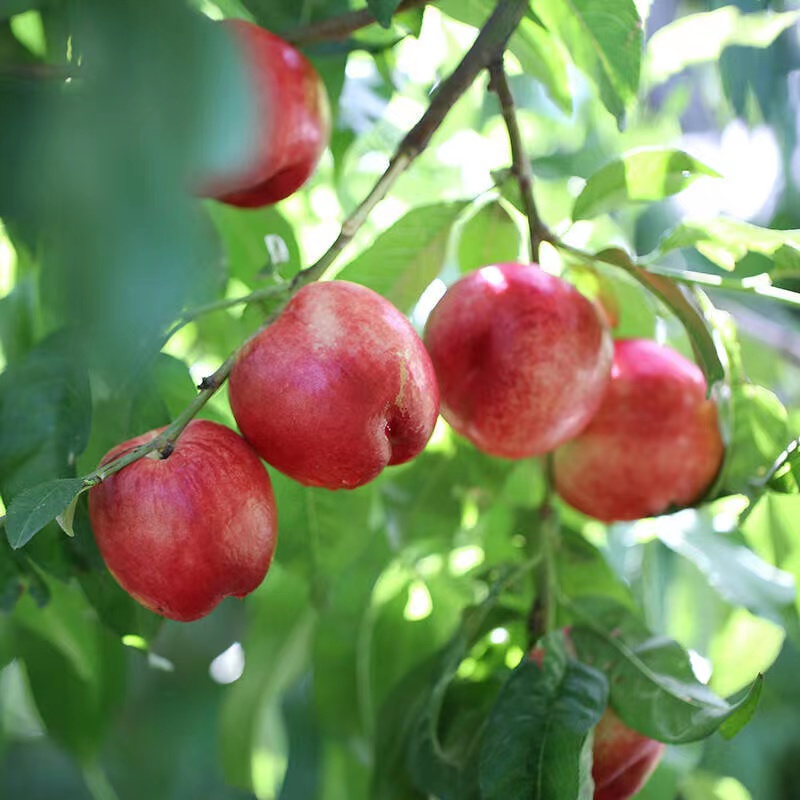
735 571
32 509
697 38
277 648
638 176
75 668
728 241
539 53
760 432
651 683
383 10
490 236
402 261
12 7
537 742
689 306
45 412
259 239
17 314
604 40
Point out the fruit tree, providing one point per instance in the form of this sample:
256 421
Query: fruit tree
399 399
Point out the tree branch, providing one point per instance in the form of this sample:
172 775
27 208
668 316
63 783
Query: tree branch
520 166
489 43
342 26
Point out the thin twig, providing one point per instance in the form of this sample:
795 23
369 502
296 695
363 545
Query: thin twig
192 314
520 166
342 26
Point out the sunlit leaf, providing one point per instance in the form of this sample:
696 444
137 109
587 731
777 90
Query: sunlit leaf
604 40
697 38
490 236
402 261
638 176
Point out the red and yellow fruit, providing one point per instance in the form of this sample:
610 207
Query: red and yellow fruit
336 389
294 123
522 359
653 444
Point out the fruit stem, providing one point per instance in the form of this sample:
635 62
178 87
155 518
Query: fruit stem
520 165
341 26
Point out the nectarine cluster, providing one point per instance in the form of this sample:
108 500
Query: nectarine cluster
526 366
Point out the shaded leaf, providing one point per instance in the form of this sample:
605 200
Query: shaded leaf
383 10
32 509
651 683
537 743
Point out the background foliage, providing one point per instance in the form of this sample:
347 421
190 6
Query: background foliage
380 656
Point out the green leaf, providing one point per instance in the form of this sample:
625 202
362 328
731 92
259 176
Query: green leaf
382 10
638 176
403 260
735 571
256 240
651 683
45 414
540 54
689 305
727 242
542 57
698 38
604 40
537 743
75 668
12 7
32 509
760 432
744 712
490 236
17 314
279 634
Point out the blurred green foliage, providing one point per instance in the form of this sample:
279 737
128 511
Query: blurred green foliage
383 655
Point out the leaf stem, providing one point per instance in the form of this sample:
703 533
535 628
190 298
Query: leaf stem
520 165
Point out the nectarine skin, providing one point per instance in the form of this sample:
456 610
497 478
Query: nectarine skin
336 389
181 533
294 116
522 359
653 444
623 759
